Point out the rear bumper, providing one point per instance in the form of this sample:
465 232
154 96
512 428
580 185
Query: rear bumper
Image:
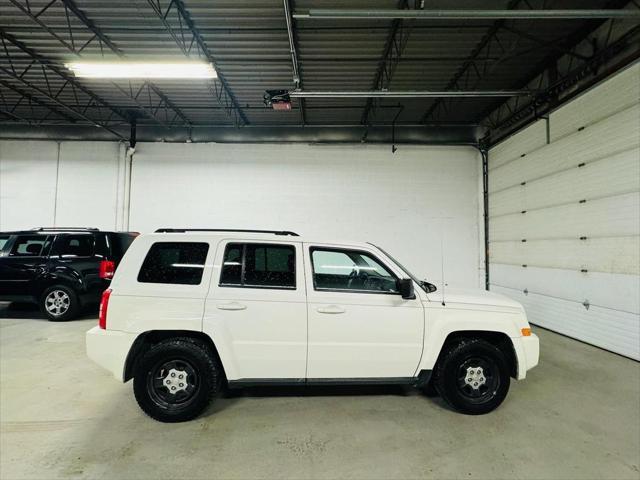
109 349
527 352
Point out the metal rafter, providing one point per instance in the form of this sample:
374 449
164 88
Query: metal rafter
31 99
149 110
164 100
187 37
55 100
563 76
469 66
396 42
45 65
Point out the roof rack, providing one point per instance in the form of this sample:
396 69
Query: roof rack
74 229
183 230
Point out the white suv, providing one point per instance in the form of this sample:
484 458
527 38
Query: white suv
189 311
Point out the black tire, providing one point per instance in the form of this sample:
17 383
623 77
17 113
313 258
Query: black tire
59 303
457 371
429 390
153 380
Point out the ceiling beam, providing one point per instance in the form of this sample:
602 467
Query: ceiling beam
5 36
480 47
394 47
220 89
74 111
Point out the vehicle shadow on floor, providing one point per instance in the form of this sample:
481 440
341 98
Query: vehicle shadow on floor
228 397
30 311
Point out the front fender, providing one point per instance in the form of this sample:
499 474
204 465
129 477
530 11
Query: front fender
442 321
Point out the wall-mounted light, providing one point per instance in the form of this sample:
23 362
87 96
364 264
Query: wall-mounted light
183 70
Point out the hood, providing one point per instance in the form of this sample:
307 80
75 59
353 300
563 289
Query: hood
474 296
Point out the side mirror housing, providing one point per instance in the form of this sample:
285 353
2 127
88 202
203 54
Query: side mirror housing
430 287
405 287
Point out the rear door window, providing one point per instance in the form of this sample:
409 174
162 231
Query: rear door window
74 246
259 266
30 246
174 263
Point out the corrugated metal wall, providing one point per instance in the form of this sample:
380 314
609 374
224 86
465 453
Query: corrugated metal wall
564 210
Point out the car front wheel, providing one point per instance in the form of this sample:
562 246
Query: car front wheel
473 376
176 380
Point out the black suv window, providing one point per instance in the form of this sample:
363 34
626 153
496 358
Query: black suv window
259 265
29 245
174 262
3 241
74 246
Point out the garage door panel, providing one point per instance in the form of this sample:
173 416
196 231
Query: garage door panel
617 133
610 254
606 217
615 291
611 329
613 96
523 142
611 175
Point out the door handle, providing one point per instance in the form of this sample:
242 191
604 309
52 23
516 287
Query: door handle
331 309
231 306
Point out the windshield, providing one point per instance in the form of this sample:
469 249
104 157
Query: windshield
422 283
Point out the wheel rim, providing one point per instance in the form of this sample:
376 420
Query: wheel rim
478 379
57 302
173 383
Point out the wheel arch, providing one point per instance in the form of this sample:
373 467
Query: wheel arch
499 339
148 339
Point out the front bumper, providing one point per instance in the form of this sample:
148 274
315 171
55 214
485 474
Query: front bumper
527 352
109 349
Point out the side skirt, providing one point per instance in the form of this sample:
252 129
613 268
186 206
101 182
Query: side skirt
421 380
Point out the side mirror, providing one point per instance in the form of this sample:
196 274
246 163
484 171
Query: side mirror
430 287
405 287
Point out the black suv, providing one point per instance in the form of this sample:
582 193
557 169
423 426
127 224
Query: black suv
60 269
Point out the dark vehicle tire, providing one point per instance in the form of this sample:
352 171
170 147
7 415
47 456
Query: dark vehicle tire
473 376
59 303
429 390
176 380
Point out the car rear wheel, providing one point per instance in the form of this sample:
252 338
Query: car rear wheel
176 380
473 376
59 303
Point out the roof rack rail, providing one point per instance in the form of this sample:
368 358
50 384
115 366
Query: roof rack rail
74 229
183 230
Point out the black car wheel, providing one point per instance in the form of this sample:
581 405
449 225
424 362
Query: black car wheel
176 380
59 303
473 376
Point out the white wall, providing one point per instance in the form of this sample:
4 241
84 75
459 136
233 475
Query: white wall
46 183
571 190
416 203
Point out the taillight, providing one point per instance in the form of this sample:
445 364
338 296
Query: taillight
107 269
104 304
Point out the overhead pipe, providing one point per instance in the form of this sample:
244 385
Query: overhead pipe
410 93
461 14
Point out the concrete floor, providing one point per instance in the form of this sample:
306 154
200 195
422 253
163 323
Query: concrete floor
61 416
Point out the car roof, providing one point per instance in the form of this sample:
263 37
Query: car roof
253 236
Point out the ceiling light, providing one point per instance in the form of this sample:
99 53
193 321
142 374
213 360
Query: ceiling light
184 70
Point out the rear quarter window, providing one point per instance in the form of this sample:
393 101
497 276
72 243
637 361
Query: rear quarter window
174 263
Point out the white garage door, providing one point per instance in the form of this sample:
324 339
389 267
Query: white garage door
564 208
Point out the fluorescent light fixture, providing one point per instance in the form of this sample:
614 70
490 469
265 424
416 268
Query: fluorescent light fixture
184 70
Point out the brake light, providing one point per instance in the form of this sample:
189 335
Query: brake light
107 269
104 304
